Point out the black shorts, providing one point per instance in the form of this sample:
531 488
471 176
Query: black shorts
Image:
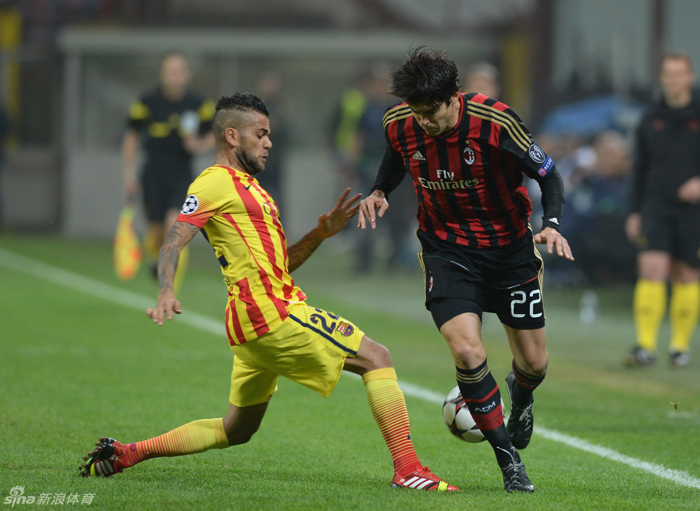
506 281
164 189
673 229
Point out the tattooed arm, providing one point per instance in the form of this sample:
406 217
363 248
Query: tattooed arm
329 224
180 234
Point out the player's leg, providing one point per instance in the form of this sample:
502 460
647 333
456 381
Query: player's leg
529 370
155 207
656 245
649 305
478 386
684 308
251 388
685 292
388 406
112 457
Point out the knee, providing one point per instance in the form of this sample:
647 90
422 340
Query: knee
535 365
468 354
380 358
238 433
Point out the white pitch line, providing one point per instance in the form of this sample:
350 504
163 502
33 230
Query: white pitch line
55 275
88 286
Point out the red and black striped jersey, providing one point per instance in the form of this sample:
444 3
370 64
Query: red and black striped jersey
469 180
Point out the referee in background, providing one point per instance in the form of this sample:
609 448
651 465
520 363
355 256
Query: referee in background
664 219
171 124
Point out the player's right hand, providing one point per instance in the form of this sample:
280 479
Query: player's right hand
167 306
371 207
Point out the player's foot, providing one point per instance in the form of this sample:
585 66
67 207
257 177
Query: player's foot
514 475
679 358
639 357
104 460
421 479
521 419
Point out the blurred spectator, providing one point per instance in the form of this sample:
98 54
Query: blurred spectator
171 124
483 77
4 132
269 88
360 144
596 212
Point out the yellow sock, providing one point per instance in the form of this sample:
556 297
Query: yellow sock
649 310
685 303
389 410
197 436
181 269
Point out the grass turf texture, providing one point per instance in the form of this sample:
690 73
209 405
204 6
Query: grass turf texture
74 367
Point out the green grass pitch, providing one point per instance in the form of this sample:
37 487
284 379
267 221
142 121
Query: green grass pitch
79 361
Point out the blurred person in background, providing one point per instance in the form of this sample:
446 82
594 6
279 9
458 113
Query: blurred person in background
360 146
170 124
595 226
665 214
4 132
483 77
269 88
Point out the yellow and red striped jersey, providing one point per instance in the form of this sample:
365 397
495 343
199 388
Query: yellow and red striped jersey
241 222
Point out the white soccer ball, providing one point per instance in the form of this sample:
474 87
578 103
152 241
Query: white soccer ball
459 420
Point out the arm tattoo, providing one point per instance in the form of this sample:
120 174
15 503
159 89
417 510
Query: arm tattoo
179 235
302 249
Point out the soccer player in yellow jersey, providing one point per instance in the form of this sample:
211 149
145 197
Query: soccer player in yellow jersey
271 329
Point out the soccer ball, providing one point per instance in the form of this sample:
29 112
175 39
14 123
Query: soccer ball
458 419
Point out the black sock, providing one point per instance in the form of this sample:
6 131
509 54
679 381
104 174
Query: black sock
525 384
480 391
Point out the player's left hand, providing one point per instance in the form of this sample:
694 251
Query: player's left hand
554 240
690 191
332 223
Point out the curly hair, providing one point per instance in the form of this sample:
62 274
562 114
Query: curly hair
427 77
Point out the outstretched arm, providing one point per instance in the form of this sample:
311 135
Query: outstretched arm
552 187
329 224
180 234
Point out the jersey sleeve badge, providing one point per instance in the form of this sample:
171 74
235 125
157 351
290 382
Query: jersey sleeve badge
536 153
190 206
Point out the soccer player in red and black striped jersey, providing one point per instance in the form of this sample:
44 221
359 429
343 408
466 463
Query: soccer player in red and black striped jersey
272 331
467 154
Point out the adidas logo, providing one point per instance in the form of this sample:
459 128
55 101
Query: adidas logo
418 156
554 221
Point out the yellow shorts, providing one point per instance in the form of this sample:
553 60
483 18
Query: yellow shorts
309 347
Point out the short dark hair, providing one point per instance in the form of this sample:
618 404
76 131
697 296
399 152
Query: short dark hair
243 102
677 55
427 77
226 109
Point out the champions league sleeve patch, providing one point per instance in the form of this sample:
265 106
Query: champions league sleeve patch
190 206
548 164
536 153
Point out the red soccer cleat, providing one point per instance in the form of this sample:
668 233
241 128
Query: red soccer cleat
422 479
104 460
